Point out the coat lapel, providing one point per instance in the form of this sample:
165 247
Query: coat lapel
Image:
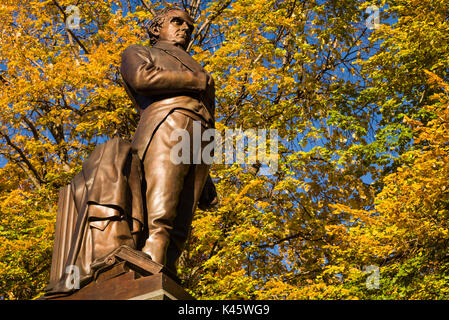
179 55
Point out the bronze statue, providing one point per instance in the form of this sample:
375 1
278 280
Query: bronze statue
171 90
132 194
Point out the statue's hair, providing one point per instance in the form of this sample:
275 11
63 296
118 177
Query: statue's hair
158 20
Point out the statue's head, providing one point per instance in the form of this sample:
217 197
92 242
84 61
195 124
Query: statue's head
173 25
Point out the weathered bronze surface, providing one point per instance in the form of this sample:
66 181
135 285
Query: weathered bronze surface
131 195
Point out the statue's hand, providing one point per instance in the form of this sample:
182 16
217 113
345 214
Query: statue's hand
210 79
209 197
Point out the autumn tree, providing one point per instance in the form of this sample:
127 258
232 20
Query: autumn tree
60 96
406 234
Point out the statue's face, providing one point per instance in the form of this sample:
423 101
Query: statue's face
177 28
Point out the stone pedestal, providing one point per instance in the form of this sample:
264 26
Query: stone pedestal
126 287
129 275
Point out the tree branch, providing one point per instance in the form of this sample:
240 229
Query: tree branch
26 165
287 238
147 7
206 24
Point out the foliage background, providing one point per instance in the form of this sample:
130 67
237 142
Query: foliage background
362 114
